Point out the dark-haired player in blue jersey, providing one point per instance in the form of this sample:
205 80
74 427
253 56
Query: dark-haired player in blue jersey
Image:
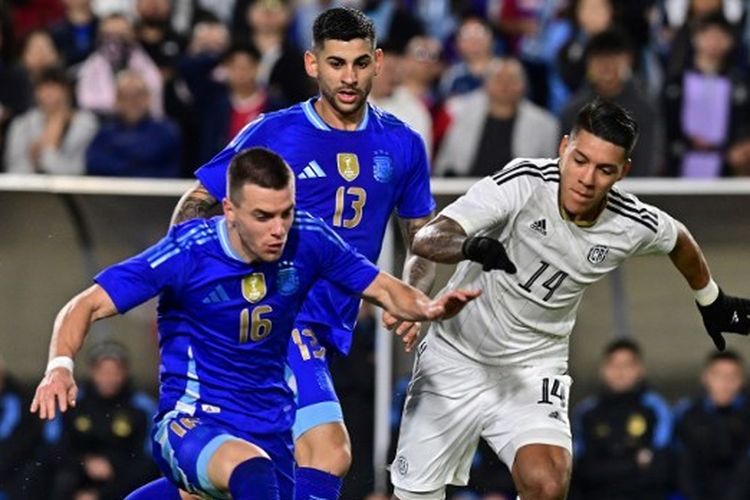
354 165
237 283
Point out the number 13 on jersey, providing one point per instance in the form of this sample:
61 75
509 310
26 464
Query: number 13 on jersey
354 197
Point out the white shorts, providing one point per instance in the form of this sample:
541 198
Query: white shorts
452 401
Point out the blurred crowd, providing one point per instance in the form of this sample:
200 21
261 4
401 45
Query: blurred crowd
155 88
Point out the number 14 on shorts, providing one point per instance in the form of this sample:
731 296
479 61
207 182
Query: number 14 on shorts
552 388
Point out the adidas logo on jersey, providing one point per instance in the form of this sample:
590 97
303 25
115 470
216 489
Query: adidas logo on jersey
312 171
217 295
540 226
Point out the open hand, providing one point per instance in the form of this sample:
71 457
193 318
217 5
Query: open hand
408 330
57 388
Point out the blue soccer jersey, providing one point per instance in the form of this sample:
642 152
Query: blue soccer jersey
225 358
353 180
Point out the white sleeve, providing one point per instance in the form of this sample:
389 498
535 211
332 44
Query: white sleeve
483 206
664 239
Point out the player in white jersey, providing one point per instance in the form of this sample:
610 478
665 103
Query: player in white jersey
543 230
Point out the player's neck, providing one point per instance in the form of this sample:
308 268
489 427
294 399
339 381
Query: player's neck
236 243
337 120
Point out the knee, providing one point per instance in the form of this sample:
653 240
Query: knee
328 451
547 481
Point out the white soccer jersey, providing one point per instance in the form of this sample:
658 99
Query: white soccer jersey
527 317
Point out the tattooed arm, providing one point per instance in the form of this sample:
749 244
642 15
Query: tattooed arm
440 241
418 272
197 202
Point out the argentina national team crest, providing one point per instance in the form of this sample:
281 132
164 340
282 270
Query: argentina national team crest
287 279
348 165
597 254
382 167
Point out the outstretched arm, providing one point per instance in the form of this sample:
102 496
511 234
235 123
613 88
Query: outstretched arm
440 241
688 258
70 329
406 302
197 202
721 313
444 240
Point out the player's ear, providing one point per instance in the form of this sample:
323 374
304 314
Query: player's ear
563 145
379 56
228 209
311 64
625 168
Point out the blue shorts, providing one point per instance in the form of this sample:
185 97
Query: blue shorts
183 446
311 381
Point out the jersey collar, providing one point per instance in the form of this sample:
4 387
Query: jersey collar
317 121
225 244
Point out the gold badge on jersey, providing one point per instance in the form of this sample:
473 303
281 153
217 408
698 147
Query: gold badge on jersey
636 425
348 164
254 287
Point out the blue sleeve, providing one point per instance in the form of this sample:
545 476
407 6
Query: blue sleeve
213 175
663 431
340 263
416 198
139 278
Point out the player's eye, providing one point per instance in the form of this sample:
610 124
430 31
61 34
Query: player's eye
336 64
579 161
363 64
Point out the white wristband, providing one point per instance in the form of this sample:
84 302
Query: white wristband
60 362
708 294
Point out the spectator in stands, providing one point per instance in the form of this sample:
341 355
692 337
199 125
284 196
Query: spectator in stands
38 53
707 106
19 436
712 433
117 50
495 124
105 437
75 34
227 97
155 34
395 22
680 17
587 18
15 94
134 143
738 155
621 436
609 73
475 45
31 15
389 94
421 68
196 77
52 137
265 23
526 26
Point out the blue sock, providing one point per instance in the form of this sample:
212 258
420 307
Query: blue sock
161 489
313 483
254 479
